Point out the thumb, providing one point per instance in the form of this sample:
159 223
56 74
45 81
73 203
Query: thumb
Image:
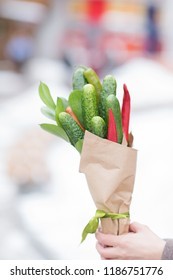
136 227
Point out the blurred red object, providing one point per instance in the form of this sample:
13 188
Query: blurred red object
95 9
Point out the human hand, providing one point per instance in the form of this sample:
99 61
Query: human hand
139 244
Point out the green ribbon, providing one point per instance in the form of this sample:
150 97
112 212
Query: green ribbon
93 224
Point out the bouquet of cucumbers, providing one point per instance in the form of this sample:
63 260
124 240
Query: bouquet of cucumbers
92 121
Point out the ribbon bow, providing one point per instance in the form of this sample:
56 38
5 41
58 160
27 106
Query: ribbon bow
93 224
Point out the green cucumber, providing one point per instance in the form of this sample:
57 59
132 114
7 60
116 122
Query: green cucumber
113 103
98 126
109 86
78 79
71 128
89 105
92 78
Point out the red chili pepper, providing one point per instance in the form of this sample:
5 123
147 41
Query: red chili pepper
126 112
112 130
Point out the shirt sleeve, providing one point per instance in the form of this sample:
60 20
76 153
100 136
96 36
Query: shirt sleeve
168 250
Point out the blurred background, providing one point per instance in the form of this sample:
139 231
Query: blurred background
44 200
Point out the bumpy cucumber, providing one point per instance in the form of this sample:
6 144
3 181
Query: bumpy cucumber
113 103
109 86
71 128
92 78
78 79
98 126
89 105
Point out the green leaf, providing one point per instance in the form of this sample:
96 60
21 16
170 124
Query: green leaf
59 108
49 113
75 103
65 102
45 96
79 145
56 130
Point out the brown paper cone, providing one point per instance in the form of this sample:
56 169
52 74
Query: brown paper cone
110 172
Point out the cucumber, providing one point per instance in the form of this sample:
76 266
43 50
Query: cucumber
92 78
109 86
113 103
78 79
71 128
98 126
89 105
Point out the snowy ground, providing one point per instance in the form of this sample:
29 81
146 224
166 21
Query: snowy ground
46 221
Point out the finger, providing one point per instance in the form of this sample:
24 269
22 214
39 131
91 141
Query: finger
136 227
107 239
108 253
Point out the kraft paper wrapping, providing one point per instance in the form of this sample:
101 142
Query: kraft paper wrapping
110 170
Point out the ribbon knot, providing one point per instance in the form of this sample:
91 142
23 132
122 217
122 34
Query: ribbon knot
93 224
